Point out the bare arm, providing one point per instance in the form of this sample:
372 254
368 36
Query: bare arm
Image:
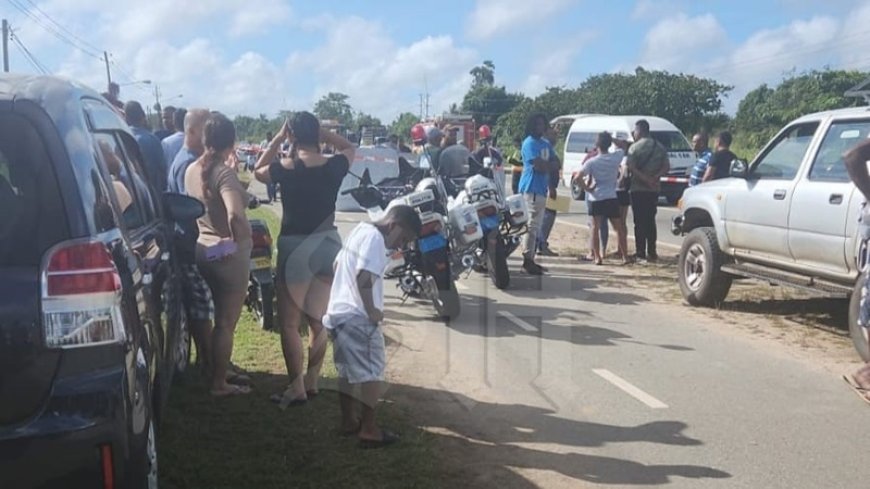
708 175
234 197
365 282
856 164
340 144
261 170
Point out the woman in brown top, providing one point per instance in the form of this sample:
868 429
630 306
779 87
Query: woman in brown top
224 246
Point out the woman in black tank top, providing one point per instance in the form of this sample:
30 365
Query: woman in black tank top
309 241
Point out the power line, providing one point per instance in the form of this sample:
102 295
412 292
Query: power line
52 29
64 29
28 55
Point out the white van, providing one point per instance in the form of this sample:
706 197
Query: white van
584 131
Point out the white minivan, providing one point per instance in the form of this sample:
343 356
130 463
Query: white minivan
586 127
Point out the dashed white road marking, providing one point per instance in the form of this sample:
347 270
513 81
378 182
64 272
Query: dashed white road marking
517 321
630 389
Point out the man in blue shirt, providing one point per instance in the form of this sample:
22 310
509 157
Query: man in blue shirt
535 185
173 144
701 145
194 124
154 164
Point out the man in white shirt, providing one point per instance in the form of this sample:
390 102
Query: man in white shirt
172 144
356 309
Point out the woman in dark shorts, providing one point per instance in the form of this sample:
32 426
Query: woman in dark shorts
602 196
309 241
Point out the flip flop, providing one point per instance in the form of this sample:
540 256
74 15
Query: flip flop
237 378
279 399
860 391
386 440
233 390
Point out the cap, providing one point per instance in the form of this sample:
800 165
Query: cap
433 132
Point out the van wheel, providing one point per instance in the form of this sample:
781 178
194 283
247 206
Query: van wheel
151 480
860 336
701 279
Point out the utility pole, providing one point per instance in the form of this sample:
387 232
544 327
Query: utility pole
427 105
108 72
157 107
5 46
421 108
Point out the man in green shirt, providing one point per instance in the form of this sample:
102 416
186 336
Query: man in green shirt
647 163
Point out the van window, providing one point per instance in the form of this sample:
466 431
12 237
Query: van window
841 137
672 140
32 216
580 142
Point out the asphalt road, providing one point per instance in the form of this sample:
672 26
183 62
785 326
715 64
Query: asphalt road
586 379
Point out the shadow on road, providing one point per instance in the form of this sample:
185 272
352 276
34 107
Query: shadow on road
485 442
828 314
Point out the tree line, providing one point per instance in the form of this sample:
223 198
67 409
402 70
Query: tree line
692 103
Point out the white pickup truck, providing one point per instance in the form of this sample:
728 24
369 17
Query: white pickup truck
788 218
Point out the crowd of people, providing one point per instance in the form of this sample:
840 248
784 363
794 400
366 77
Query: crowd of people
336 289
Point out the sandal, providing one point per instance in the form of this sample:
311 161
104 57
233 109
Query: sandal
861 391
279 399
232 390
386 440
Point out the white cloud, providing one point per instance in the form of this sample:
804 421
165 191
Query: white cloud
494 17
652 9
552 70
388 79
666 47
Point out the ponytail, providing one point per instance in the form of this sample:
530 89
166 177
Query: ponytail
209 162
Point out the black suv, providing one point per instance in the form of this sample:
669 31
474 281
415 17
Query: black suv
91 325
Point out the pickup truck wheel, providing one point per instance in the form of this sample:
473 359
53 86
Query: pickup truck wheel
702 281
859 335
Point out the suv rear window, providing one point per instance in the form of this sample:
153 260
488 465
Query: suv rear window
32 216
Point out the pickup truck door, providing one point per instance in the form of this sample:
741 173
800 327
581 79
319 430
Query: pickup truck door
821 205
757 210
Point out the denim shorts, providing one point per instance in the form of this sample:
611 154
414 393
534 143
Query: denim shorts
359 350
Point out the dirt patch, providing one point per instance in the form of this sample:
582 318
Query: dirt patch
798 323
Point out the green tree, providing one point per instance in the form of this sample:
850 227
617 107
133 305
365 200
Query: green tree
765 110
690 102
335 106
484 75
553 102
403 124
362 119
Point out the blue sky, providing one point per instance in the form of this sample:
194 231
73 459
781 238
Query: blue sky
261 56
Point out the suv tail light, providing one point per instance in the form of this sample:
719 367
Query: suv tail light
81 296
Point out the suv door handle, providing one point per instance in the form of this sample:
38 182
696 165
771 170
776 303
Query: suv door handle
779 195
835 199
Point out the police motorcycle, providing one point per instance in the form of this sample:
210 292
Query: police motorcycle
424 268
503 220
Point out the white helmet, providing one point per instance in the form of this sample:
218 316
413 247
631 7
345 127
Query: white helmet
478 184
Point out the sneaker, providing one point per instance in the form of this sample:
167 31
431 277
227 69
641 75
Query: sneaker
546 251
532 268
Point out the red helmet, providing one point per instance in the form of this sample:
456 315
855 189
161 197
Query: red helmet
484 132
418 133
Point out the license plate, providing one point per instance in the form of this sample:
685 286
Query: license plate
261 262
488 223
432 243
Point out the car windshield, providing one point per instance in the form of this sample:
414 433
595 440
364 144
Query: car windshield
672 140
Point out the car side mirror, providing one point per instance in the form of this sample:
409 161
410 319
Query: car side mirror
739 169
182 208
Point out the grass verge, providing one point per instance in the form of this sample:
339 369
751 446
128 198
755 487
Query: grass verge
248 442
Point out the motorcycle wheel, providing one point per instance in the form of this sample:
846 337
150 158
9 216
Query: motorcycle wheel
267 301
447 304
496 256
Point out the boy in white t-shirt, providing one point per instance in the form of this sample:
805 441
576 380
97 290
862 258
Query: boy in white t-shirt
356 309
